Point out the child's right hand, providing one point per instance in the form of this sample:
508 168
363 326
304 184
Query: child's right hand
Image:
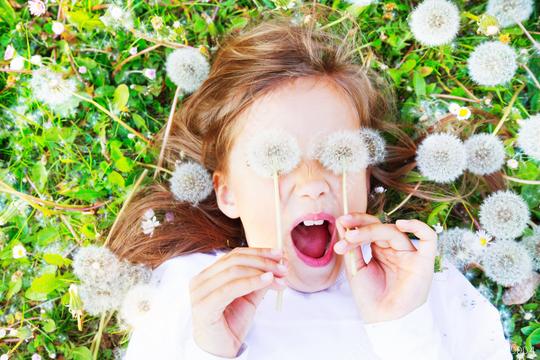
225 296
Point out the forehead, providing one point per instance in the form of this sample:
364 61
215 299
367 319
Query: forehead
305 107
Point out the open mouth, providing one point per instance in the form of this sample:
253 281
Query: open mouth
313 240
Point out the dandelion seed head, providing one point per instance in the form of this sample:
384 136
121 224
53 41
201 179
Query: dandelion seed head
96 300
137 304
508 12
96 264
492 63
504 214
343 150
485 154
116 17
452 245
187 68
51 88
441 157
435 22
506 262
191 182
528 138
272 151
376 145
532 245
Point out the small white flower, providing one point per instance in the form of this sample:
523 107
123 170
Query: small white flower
438 228
508 12
187 68
529 135
3 332
478 242
36 60
148 225
4 357
176 24
441 157
148 214
18 251
9 53
435 22
463 113
492 63
137 305
379 189
17 63
485 154
492 30
150 73
191 182
37 7
504 214
512 163
36 357
133 50
58 27
82 70
454 108
506 262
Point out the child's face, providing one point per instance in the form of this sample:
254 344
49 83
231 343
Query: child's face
304 108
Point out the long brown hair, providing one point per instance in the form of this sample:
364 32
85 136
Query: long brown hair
249 63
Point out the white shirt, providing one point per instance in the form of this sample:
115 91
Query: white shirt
456 322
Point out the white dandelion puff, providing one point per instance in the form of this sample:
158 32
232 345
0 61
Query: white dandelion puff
97 300
523 291
137 304
452 245
492 63
342 151
506 262
18 251
532 244
376 145
435 22
191 182
187 68
96 264
485 154
51 88
116 17
504 214
508 12
441 157
272 152
528 138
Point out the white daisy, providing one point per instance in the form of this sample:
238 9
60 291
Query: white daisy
506 262
492 63
191 182
454 108
504 214
508 12
485 154
18 251
187 68
463 113
37 7
435 22
528 138
441 157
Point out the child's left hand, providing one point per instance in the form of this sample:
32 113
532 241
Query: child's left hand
398 278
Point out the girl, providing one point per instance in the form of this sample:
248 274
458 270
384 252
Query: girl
216 262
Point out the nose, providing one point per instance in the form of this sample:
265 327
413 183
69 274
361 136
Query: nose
310 181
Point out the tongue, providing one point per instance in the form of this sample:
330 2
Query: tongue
311 240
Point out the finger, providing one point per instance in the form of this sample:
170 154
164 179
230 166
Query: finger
218 300
383 235
426 235
355 219
204 288
240 256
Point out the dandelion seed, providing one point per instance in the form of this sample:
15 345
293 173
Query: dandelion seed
451 245
528 138
37 7
18 251
52 89
506 262
504 214
492 63
341 151
532 245
96 264
187 68
485 154
191 182
57 27
435 22
272 152
97 300
508 12
376 145
463 113
523 291
116 17
441 157
137 304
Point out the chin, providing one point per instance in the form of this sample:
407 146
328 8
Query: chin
307 279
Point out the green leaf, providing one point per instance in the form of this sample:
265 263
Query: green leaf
121 97
81 353
116 179
408 65
56 259
124 164
14 286
42 286
433 217
39 175
49 325
419 84
532 339
7 13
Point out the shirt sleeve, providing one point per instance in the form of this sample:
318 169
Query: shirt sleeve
194 352
413 336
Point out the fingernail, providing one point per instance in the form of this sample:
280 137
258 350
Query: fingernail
282 268
267 276
402 222
340 246
347 217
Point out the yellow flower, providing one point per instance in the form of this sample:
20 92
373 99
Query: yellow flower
463 113
504 38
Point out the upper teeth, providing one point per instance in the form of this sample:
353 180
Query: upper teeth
313 222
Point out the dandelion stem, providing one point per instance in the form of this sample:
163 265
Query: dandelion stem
277 204
124 206
128 59
404 200
526 32
521 181
167 131
531 74
114 117
508 109
105 317
350 256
